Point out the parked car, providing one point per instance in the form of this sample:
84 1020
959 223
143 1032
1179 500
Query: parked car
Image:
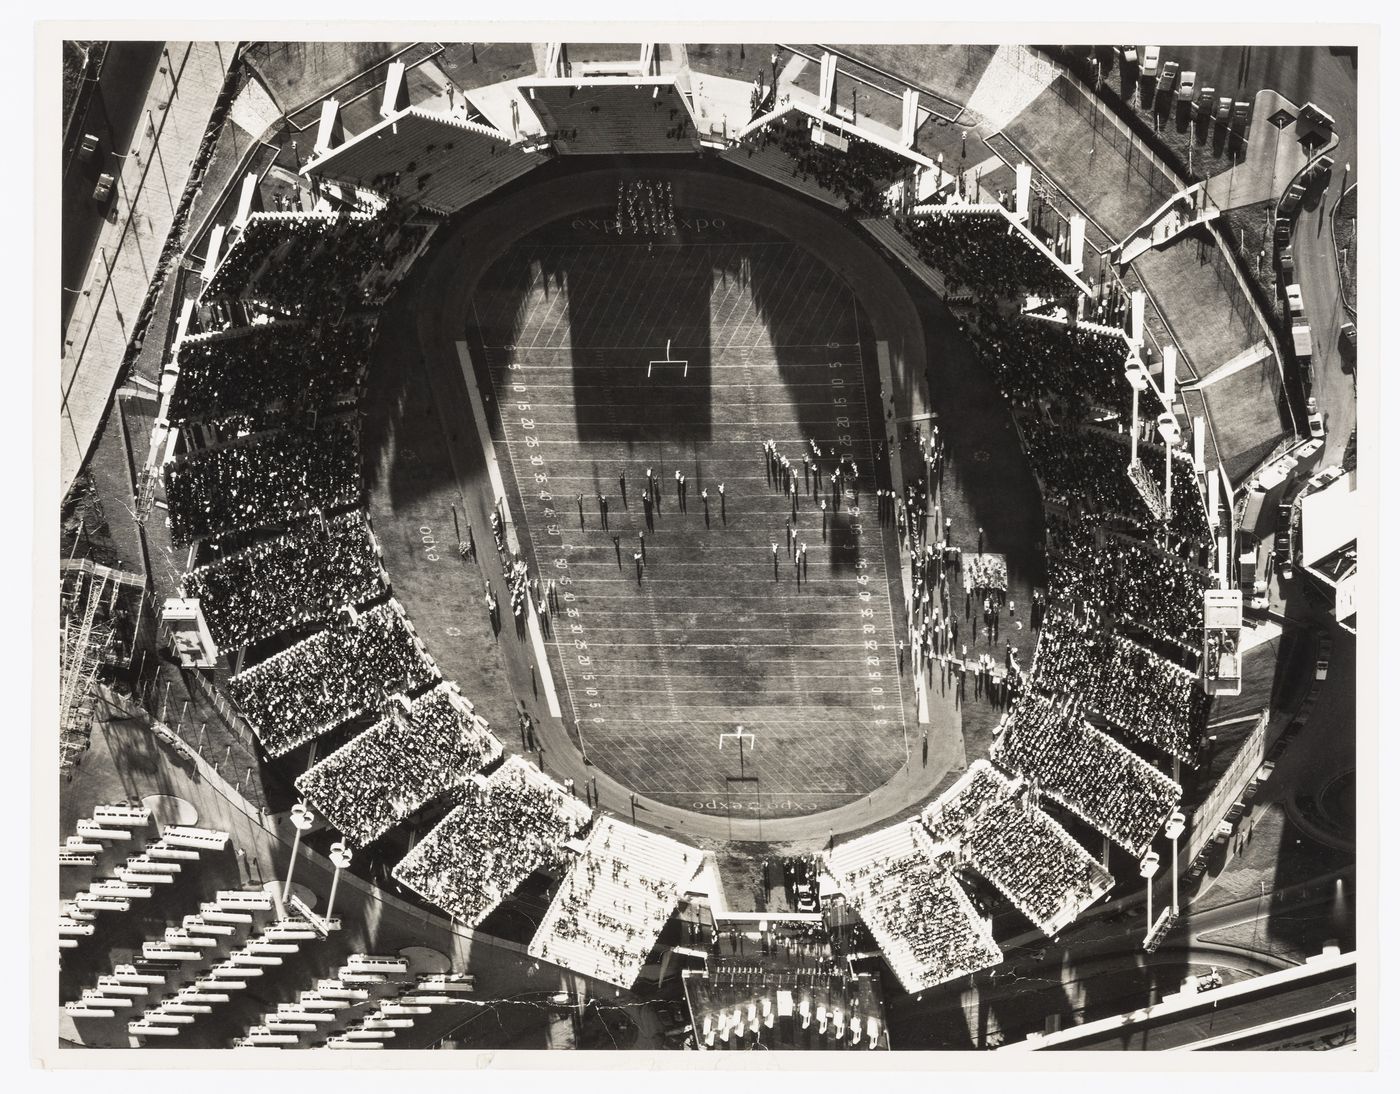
1203 103
1349 336
1318 168
87 147
1151 55
1128 54
1315 427
1291 199
1323 664
1285 263
1283 233
1168 77
1186 89
1294 293
1222 108
102 192
1239 116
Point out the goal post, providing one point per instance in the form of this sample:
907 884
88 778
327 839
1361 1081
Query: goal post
669 360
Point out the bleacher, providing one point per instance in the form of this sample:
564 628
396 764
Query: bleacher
1107 786
1132 687
173 978
367 1001
294 580
860 173
990 823
252 376
610 908
264 479
421 158
400 764
608 116
116 863
918 914
211 965
509 826
335 675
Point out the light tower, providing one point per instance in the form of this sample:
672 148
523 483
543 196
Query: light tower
1147 869
341 856
1175 823
302 819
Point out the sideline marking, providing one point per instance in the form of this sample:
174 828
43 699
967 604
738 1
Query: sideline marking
906 578
488 447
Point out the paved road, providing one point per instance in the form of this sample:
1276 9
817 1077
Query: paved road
112 115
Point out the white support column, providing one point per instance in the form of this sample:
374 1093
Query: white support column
1169 398
1076 244
245 200
213 252
827 88
553 54
1133 436
395 90
1135 335
910 123
1023 191
329 132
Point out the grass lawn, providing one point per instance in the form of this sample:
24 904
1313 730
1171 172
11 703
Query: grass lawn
479 64
297 73
1252 225
1248 420
950 71
1208 310
1344 237
1093 167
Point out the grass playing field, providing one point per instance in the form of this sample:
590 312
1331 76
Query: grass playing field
765 343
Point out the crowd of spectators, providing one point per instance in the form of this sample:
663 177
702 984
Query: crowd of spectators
400 764
1189 525
335 675
1133 687
312 264
917 912
508 826
292 580
1084 470
1007 839
265 479
608 912
984 254
1132 585
861 176
1037 361
1086 771
287 369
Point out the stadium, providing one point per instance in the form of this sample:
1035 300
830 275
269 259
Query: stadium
710 546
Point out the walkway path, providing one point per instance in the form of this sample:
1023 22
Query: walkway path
152 177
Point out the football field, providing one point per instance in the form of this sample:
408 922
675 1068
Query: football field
607 357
